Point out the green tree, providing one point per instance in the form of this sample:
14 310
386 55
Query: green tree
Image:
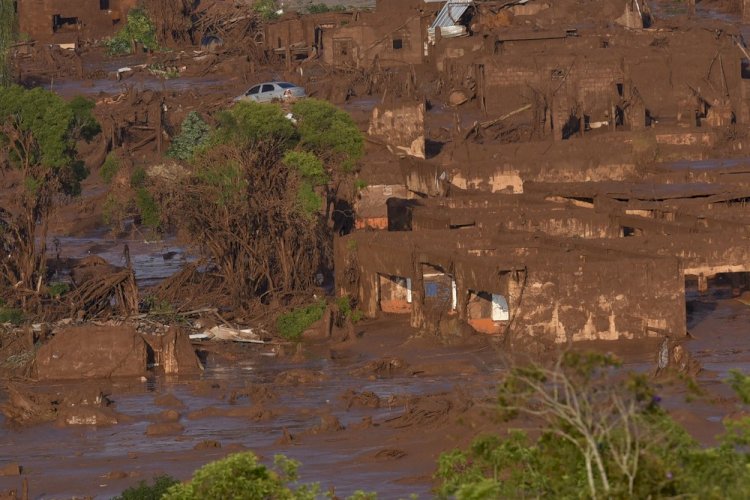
194 134
139 29
38 131
603 435
242 476
330 133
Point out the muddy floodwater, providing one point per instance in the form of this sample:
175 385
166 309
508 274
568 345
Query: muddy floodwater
394 459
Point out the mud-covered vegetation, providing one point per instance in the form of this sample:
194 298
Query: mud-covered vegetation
259 195
37 144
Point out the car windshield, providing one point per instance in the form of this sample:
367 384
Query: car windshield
286 85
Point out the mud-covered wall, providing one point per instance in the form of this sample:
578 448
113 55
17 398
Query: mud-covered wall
666 72
65 21
553 294
393 35
595 299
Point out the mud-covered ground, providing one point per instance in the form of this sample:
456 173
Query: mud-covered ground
373 413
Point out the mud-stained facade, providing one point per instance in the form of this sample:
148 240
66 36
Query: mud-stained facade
533 289
394 34
71 21
298 37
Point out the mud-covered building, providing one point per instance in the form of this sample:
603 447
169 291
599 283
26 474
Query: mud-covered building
70 21
394 34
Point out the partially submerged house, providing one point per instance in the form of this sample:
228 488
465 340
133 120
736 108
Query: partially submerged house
67 22
561 262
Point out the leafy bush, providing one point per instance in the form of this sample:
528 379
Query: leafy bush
292 324
347 310
138 29
249 122
148 208
329 132
109 168
145 491
242 476
194 134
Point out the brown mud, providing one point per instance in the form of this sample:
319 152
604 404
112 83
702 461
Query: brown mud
594 174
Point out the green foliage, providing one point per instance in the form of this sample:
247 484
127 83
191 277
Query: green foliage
740 383
11 315
194 134
58 289
145 491
138 178
292 324
329 132
347 309
627 426
138 29
309 166
313 173
308 201
148 208
249 122
83 120
242 476
266 9
109 168
53 124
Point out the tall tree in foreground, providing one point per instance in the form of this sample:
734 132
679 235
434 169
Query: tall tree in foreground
602 435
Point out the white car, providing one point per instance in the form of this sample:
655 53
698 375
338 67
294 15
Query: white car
271 91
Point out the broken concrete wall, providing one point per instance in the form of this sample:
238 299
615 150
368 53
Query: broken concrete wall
68 21
400 127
